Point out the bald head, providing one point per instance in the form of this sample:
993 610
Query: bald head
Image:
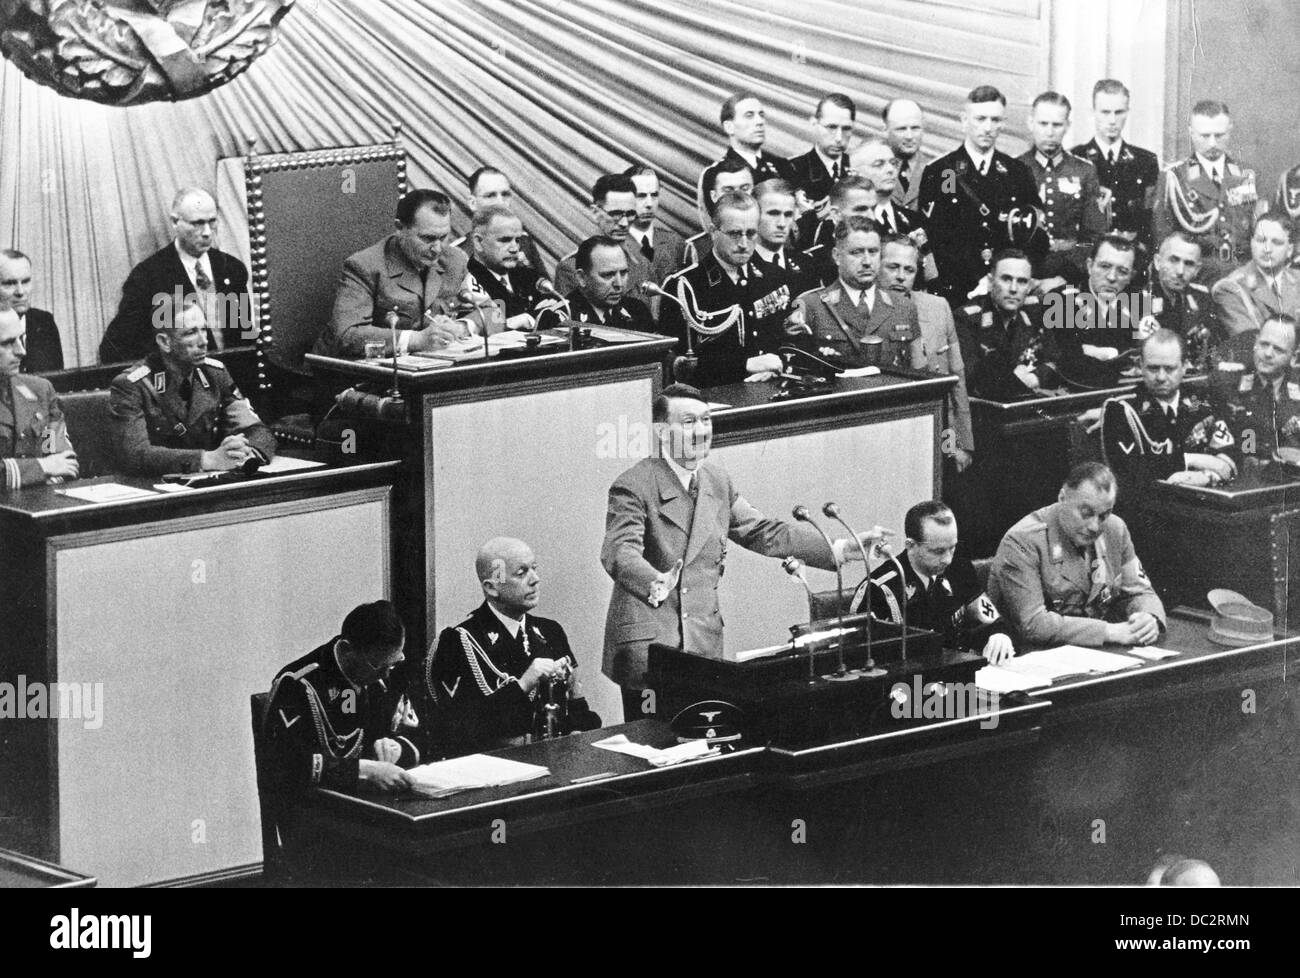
507 570
194 220
904 127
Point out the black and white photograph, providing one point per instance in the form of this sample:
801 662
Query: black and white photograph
650 443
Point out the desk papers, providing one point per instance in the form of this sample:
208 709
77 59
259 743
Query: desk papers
659 758
995 679
105 492
860 372
472 771
1068 660
1153 654
284 463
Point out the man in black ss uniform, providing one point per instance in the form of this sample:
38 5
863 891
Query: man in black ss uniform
487 675
744 120
938 587
1007 357
602 296
814 173
1174 300
776 221
977 200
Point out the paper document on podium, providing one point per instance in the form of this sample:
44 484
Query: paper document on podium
105 492
472 771
688 751
1069 660
995 679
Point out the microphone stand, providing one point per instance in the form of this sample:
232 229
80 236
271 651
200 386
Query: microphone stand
841 673
391 319
794 567
869 669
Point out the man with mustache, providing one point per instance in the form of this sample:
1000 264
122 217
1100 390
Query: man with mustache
1068 574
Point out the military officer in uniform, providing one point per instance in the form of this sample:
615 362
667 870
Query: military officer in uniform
488 675
1005 353
1164 433
179 410
602 296
1263 411
976 200
1210 194
938 587
1264 286
1068 573
1287 200
1074 210
729 311
852 196
1095 329
857 322
1174 300
776 220
905 128
1129 172
34 447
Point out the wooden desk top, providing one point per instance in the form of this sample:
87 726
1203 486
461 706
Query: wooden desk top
1257 487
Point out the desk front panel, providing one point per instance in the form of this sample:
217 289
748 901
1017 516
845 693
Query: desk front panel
174 624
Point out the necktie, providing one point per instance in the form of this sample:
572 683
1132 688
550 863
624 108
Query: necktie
780 259
743 277
1170 416
204 285
1049 165
882 218
693 489
903 179
523 637
837 171
647 248
185 390
1111 156
201 279
984 168
1216 177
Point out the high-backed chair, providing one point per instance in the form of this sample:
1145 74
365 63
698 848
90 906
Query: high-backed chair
87 418
307 212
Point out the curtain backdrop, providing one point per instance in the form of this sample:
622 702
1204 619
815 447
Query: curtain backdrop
554 92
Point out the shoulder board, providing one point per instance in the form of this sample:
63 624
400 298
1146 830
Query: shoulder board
831 294
139 373
883 294
681 273
24 390
1031 300
970 310
1293 390
214 363
1247 383
886 578
1069 290
1197 287
1234 169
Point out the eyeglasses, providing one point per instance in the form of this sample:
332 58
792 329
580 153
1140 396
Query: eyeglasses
618 217
740 234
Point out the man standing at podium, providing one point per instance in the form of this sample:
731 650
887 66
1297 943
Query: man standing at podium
666 532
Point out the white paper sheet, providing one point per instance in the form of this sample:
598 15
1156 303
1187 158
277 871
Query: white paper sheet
472 771
105 492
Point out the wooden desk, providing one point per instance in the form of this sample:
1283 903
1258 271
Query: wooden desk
160 616
1244 536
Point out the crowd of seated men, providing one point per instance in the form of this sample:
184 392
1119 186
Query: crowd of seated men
1055 268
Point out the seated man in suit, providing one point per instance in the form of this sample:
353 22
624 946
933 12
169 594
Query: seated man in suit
1164 433
412 272
900 260
44 347
938 585
602 296
336 720
490 675
666 531
1068 573
189 265
178 410
34 447
1095 329
849 319
496 270
1003 346
614 208
1264 286
489 187
1263 411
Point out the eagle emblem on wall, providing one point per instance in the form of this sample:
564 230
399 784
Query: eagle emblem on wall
127 52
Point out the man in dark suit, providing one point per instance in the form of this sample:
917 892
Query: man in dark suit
663 247
496 270
938 589
666 530
875 160
34 446
178 410
744 120
1096 329
977 200
489 675
614 209
602 296
412 272
1209 193
188 265
846 320
904 129
1129 172
814 173
776 221
44 347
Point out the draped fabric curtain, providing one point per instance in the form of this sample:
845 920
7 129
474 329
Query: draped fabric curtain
553 92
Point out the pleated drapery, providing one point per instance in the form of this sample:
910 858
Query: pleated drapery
553 92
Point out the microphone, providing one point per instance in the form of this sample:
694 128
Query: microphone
391 318
794 567
833 512
902 583
547 287
801 514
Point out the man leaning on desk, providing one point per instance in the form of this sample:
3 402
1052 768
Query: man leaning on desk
413 271
1068 574
178 410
